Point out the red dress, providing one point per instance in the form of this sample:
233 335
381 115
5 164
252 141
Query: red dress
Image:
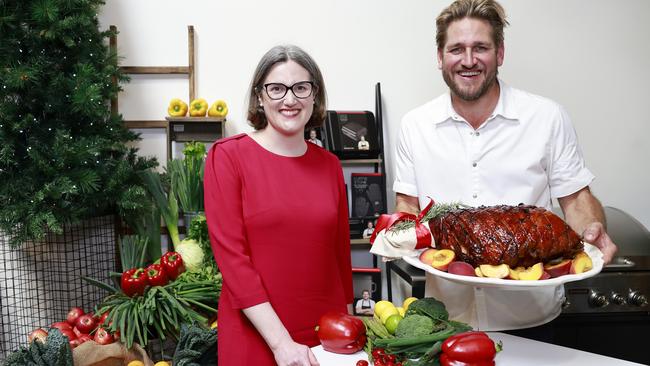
279 231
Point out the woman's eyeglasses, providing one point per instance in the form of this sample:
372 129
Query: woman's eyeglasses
301 89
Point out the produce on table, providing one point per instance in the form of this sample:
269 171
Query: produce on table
196 346
341 333
192 254
163 363
134 281
418 338
166 202
39 335
414 326
392 323
74 314
192 297
408 302
102 336
177 108
218 109
513 235
198 107
172 264
55 351
156 275
135 363
469 349
86 323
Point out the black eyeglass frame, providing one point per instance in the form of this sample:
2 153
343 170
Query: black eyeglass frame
314 88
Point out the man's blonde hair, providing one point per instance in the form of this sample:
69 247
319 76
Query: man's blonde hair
488 10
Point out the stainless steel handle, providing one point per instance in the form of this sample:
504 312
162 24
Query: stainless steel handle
620 263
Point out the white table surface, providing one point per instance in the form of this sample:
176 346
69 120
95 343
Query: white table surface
517 351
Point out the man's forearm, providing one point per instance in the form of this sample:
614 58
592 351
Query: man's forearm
581 209
405 203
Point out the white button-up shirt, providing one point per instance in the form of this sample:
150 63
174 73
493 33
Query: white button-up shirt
525 152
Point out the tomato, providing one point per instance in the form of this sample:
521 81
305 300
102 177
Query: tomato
362 363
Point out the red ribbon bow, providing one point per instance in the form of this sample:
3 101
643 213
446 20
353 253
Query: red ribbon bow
422 233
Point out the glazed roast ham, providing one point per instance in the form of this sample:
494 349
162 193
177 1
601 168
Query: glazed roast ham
514 235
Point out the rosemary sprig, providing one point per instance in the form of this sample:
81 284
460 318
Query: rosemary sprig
436 210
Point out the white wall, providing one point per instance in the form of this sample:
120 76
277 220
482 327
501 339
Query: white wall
591 56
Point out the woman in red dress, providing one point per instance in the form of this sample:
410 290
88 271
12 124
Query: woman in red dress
278 220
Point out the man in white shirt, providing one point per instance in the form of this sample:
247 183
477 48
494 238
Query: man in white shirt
485 143
365 305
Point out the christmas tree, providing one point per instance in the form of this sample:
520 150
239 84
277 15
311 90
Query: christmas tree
63 155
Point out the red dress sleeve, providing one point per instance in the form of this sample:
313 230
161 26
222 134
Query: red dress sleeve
343 240
224 212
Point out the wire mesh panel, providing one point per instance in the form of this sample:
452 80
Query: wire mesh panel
41 281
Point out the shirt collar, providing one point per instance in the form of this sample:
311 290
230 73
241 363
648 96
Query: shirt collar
504 108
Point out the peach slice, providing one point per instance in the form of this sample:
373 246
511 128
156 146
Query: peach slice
499 271
581 263
532 273
461 268
442 258
558 269
426 257
545 276
478 273
513 273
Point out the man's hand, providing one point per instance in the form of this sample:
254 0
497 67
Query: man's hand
595 234
584 213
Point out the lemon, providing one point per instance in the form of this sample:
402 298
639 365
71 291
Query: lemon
392 322
381 306
135 363
388 313
162 363
401 311
408 302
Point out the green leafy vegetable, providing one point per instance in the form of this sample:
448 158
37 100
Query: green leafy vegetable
414 326
55 352
196 346
428 306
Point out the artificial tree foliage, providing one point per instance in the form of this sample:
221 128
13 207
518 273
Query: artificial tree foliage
63 155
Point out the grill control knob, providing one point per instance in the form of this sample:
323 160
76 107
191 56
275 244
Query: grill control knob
597 300
637 298
617 298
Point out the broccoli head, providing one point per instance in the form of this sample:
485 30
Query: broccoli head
428 306
414 326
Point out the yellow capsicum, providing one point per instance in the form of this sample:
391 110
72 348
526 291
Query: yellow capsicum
218 109
177 108
198 107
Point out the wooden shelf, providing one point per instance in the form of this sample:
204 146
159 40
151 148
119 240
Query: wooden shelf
360 161
365 241
145 124
156 70
196 119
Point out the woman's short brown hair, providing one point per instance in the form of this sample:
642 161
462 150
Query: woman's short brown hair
275 55
488 10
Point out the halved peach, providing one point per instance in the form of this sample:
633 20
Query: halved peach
532 273
442 258
426 257
499 271
461 268
558 269
581 263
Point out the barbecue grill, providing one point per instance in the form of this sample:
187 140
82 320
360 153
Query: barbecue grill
606 314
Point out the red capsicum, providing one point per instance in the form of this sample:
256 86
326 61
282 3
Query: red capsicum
341 333
134 281
468 349
156 275
172 264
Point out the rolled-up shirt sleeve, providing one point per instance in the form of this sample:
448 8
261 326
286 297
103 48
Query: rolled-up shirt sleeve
568 173
404 168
